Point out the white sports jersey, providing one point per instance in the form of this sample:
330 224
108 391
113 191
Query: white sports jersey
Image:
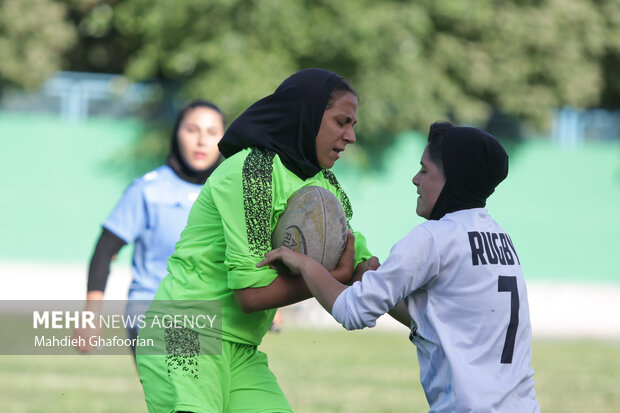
461 280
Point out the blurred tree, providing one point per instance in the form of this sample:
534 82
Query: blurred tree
34 35
610 95
412 62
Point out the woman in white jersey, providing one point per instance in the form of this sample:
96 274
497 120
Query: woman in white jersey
455 281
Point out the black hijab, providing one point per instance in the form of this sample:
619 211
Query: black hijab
286 122
474 163
175 159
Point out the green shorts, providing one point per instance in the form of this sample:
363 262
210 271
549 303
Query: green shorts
238 380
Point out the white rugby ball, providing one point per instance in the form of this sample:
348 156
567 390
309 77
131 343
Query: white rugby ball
314 224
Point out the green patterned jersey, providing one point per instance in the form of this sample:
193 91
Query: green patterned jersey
229 231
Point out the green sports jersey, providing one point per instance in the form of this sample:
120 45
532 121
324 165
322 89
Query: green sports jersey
229 231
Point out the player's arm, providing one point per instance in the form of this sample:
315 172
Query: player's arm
108 246
400 313
285 290
370 264
290 288
380 291
323 286
412 263
105 252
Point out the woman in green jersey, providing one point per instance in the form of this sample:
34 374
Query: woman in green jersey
283 142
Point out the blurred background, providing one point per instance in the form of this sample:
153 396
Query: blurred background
89 90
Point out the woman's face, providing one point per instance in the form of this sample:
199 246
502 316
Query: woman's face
429 181
336 130
198 135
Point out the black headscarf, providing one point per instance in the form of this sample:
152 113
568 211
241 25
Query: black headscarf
474 163
175 159
286 122
186 172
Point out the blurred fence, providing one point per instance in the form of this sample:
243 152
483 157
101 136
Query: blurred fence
74 96
572 126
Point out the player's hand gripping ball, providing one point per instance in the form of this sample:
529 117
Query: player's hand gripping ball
314 224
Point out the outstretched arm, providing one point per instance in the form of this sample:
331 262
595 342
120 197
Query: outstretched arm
289 288
318 280
322 285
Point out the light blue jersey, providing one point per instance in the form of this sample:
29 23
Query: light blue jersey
152 213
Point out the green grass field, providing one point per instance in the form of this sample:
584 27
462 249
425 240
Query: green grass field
319 371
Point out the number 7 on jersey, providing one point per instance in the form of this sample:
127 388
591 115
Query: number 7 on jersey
509 284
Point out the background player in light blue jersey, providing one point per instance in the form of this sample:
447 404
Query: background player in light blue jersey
153 211
455 281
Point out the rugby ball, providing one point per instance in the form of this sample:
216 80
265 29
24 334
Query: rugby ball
314 224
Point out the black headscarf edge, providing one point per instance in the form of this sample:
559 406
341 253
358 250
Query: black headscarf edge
474 163
286 122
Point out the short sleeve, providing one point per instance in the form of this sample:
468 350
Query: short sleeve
128 218
244 200
361 249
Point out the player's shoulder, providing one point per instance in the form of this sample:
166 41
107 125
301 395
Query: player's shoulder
420 234
439 227
418 244
233 165
444 230
250 164
157 175
464 218
160 179
455 225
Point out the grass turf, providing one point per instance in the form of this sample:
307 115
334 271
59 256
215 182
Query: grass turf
319 371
